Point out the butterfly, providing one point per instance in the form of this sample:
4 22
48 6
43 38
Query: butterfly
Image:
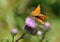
38 16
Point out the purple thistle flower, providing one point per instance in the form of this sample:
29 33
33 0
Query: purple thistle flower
30 22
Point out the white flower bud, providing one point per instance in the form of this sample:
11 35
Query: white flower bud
39 33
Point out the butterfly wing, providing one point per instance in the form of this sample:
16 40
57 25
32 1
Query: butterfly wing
41 21
42 16
36 11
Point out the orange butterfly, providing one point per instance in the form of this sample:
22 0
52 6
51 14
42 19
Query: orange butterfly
38 16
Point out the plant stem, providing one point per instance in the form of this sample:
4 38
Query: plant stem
20 37
12 38
43 36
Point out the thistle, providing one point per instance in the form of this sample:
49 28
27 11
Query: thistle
30 25
47 25
13 33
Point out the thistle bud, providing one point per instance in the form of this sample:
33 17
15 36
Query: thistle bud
47 25
14 31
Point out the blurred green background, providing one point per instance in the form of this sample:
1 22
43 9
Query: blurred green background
14 12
